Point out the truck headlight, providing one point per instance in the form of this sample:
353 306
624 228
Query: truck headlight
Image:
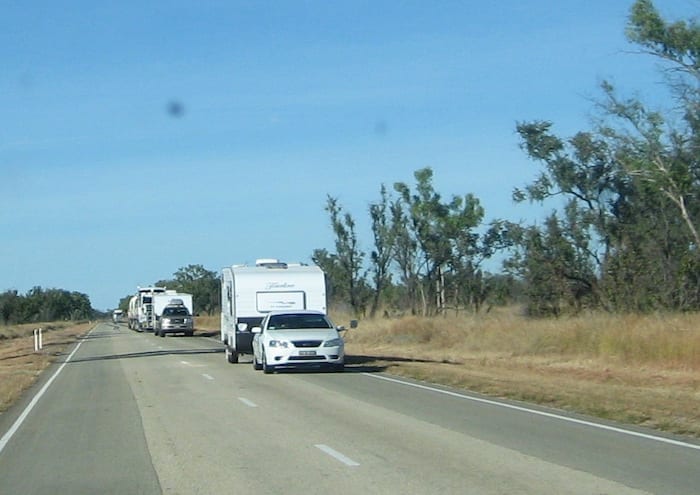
333 343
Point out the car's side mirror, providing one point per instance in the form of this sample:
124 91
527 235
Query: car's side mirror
242 327
256 330
342 328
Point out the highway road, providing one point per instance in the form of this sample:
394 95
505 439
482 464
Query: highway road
131 413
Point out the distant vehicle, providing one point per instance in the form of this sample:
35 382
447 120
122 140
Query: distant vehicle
140 314
298 339
117 315
175 317
248 293
169 297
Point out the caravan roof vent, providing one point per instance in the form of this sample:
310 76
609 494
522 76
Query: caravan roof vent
270 262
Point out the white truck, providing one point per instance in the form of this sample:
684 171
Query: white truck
140 314
249 292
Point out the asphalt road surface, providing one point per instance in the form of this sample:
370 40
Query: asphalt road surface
131 413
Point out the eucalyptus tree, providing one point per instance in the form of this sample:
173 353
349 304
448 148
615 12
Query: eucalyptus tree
629 188
443 235
405 254
333 273
349 256
384 234
658 152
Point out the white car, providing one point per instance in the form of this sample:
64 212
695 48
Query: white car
297 339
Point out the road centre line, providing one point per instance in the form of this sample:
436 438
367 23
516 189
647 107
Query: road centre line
187 363
208 377
600 426
22 417
337 455
247 402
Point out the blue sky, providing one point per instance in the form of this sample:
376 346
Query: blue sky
102 189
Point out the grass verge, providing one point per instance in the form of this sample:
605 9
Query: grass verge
20 365
642 370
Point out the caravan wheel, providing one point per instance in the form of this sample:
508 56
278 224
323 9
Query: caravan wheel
231 355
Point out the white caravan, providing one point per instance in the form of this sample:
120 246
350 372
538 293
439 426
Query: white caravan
141 316
160 301
248 293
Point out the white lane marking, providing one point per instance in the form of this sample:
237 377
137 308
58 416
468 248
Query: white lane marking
337 455
18 422
208 377
600 426
187 363
247 402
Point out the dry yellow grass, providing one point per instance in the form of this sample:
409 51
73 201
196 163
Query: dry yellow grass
636 369
207 323
20 366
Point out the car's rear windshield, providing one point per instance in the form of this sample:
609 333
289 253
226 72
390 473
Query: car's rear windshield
175 312
282 322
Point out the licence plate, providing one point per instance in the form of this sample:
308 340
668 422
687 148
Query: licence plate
307 353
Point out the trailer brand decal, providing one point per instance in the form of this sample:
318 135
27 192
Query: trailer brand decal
278 285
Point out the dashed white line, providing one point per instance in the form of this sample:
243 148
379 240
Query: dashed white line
247 402
208 377
187 363
337 455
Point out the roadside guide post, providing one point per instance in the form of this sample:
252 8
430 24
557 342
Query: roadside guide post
38 343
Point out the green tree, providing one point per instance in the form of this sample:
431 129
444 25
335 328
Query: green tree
333 273
444 237
124 303
349 256
405 254
384 234
10 307
629 188
203 284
